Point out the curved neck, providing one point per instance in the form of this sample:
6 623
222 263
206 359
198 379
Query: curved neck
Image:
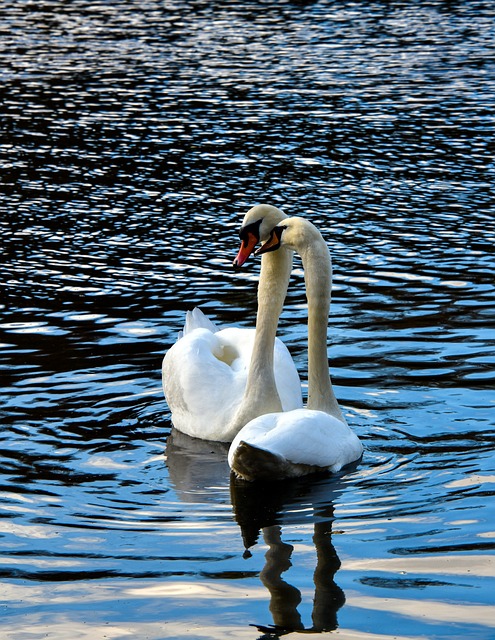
261 395
272 289
318 278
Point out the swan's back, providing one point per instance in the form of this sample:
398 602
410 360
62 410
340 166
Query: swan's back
204 377
292 444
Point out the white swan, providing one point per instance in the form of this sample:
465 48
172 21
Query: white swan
216 381
295 443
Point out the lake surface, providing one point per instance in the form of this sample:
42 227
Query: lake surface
134 137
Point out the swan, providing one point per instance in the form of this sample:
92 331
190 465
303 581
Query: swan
316 438
216 380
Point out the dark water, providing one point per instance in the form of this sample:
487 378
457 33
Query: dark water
134 136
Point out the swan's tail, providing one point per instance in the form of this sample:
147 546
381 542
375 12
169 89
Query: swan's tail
252 463
196 319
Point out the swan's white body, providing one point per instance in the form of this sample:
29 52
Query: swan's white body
205 375
295 443
216 381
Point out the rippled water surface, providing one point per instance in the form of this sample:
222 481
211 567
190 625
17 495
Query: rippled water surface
134 137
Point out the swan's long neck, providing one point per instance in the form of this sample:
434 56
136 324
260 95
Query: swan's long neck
272 289
318 278
261 394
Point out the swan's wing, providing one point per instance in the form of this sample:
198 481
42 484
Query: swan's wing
322 440
204 376
205 373
196 319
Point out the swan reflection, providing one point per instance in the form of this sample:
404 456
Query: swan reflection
195 466
264 509
199 472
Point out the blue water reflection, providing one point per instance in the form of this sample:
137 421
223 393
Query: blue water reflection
133 141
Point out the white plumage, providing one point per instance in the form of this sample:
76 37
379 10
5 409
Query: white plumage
298 442
205 374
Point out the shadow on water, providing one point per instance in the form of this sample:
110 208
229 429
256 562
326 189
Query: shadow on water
262 509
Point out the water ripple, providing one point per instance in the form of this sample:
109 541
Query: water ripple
133 143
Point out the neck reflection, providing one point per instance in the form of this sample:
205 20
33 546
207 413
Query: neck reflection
261 509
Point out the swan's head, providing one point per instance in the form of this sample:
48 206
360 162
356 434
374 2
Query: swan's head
292 233
256 227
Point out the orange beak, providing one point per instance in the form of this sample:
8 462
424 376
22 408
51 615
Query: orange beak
246 249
